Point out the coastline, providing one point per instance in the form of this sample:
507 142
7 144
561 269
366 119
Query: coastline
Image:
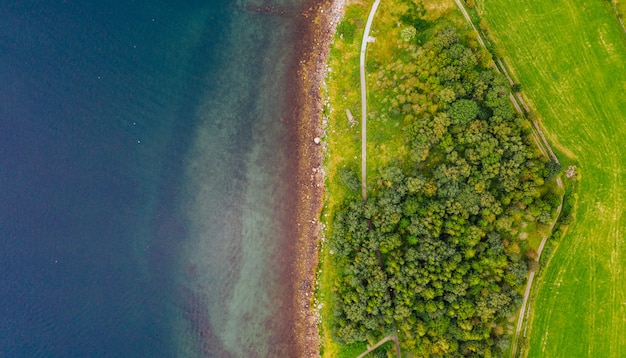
318 28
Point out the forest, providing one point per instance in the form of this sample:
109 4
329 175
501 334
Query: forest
435 252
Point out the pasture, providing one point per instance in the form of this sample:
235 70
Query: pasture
570 58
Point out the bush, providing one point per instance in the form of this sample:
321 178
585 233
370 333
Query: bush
352 350
348 178
553 169
544 217
408 33
346 29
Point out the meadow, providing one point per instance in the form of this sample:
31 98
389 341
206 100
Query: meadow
570 59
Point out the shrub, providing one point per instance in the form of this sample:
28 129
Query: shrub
346 29
349 179
408 33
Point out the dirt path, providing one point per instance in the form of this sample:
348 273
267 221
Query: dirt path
546 149
366 38
469 20
372 348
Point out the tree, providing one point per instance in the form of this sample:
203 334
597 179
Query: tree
553 169
463 111
532 254
447 95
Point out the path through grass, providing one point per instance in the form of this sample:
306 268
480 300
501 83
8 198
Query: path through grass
571 60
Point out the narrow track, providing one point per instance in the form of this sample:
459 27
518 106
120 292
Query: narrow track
366 37
378 344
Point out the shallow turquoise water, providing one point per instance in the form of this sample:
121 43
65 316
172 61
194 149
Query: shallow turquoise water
236 196
144 178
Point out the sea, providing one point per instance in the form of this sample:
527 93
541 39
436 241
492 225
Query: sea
145 182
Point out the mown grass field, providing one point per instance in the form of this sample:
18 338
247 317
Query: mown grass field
570 58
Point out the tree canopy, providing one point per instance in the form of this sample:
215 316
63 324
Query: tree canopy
433 251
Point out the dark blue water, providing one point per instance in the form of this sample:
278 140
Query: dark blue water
134 137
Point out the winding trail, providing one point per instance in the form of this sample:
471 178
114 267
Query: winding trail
366 39
546 149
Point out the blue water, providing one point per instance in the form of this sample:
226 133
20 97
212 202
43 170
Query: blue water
143 150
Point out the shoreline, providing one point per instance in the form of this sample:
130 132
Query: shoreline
318 29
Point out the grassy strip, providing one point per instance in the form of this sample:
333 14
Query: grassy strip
342 154
570 59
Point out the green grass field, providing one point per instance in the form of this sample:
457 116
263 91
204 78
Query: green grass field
570 58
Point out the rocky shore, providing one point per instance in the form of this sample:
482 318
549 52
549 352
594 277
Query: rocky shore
318 28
